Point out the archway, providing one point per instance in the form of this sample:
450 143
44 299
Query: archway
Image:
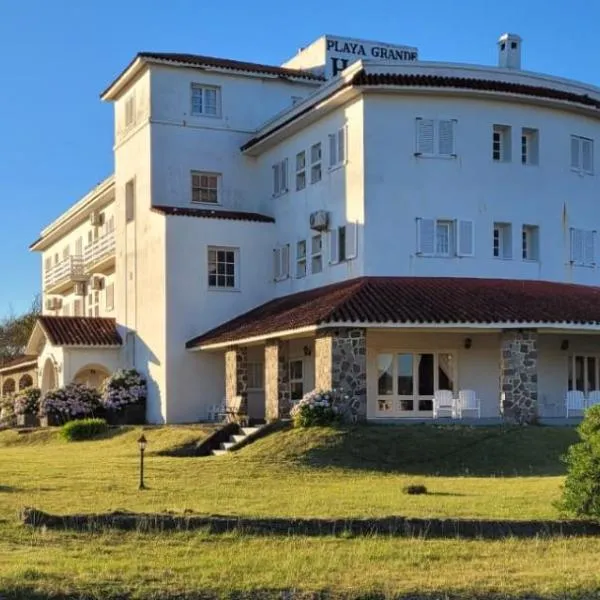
8 387
49 376
26 381
91 375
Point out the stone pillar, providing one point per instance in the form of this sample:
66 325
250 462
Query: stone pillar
236 376
341 363
518 375
277 381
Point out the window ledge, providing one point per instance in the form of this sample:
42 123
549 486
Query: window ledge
336 167
203 116
502 258
581 265
218 289
196 203
438 156
278 195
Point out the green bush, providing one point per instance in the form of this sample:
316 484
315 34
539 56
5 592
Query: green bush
83 429
8 418
581 492
414 490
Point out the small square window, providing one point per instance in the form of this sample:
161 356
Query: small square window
301 259
206 100
300 170
529 146
501 143
205 187
316 254
315 163
502 240
530 242
222 268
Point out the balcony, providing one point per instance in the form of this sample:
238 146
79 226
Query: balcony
64 274
99 256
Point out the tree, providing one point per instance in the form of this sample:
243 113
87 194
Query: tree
581 493
15 331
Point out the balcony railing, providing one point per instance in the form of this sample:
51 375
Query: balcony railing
99 250
66 271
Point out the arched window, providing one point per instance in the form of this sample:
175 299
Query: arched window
26 381
8 387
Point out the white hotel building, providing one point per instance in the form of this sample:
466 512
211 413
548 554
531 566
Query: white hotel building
356 217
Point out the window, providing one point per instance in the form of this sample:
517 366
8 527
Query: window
109 297
281 262
93 304
583 373
66 310
343 243
77 310
206 100
316 254
315 163
129 201
300 170
301 259
296 379
583 247
406 381
110 225
47 263
501 143
79 246
435 138
445 237
582 154
66 252
130 110
205 187
529 146
256 375
502 241
222 270
530 242
337 148
280 177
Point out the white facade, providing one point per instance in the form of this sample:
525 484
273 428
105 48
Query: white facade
421 179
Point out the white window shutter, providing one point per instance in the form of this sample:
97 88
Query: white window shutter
575 160
507 242
284 175
332 150
276 179
587 156
351 241
426 236
446 138
333 246
589 248
285 261
277 264
341 145
425 131
466 239
577 246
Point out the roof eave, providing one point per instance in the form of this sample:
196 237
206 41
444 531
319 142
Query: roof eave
134 68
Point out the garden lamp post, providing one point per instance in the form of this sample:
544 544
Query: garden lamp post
142 445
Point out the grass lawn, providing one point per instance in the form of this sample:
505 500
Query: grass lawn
470 472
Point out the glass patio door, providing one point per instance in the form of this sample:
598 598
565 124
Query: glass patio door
406 382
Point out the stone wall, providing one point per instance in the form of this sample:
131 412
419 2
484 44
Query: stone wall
236 375
341 363
518 375
277 385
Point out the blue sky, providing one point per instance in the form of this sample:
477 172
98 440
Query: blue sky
56 134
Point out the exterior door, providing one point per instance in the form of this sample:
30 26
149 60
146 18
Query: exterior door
406 382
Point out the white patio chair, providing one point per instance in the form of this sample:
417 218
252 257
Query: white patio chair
593 398
574 401
444 402
215 412
468 401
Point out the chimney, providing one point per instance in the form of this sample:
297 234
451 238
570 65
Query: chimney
509 51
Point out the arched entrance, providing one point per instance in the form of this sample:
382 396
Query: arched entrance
26 381
91 375
8 387
49 376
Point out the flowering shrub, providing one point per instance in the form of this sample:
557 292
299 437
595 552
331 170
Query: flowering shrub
322 408
27 402
74 401
122 388
7 411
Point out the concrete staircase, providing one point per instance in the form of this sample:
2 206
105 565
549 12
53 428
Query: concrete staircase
236 439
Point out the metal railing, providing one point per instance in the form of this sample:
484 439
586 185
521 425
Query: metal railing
99 249
68 269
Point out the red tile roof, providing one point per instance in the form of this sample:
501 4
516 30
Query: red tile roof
198 60
209 213
416 300
16 363
80 331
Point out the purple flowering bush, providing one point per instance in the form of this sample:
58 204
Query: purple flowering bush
123 388
27 402
74 401
318 408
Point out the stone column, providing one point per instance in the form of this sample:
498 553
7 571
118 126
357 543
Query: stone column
518 375
277 380
341 363
236 376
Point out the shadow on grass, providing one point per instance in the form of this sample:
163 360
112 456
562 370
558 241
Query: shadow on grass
106 590
444 450
8 489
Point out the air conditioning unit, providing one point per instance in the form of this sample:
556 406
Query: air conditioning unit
97 283
319 220
96 219
80 288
